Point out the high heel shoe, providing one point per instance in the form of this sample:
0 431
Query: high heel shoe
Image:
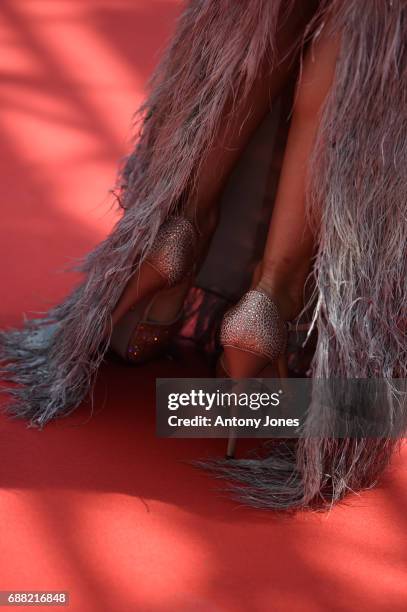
137 337
254 325
173 252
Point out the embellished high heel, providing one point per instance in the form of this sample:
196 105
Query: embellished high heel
254 325
173 252
137 337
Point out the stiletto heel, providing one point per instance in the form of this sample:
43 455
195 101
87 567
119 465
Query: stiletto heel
282 367
231 447
253 325
137 337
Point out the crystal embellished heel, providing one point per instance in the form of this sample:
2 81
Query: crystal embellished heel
137 337
173 252
254 325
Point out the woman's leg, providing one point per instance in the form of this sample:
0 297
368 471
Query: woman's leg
215 169
290 243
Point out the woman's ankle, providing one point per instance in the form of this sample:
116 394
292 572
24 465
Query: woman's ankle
204 218
289 300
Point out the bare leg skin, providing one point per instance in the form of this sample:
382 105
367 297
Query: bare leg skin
290 243
215 169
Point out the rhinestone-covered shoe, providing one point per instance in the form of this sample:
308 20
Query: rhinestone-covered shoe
150 340
136 338
173 252
255 325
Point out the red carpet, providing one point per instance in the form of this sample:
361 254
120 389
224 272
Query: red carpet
96 505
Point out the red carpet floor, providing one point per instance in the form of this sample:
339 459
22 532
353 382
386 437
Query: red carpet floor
96 505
